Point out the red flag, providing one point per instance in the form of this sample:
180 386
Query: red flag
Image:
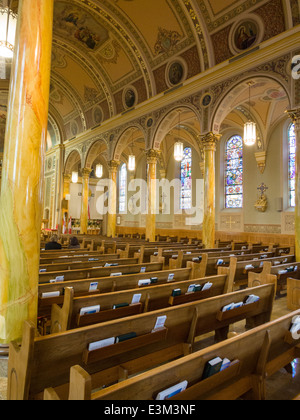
70 226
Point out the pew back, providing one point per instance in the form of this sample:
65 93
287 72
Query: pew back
46 361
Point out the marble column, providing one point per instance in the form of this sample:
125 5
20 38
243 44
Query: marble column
84 216
209 144
65 203
23 168
112 199
152 158
295 116
59 187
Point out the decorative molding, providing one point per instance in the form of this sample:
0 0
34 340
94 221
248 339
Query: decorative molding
231 222
261 161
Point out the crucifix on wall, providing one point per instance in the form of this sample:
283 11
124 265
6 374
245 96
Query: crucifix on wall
262 202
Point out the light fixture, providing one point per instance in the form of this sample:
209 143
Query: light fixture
74 177
178 146
131 163
8 24
99 171
131 157
178 151
249 127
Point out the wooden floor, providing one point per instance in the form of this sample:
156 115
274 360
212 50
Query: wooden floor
281 386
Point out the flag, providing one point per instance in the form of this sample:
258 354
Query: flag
64 226
70 226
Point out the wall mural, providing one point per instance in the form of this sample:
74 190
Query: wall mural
245 35
76 25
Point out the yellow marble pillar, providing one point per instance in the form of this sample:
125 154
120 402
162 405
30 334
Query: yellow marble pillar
209 144
295 116
84 216
152 158
65 202
23 168
112 199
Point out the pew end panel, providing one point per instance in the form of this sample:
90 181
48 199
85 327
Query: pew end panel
60 317
20 363
293 294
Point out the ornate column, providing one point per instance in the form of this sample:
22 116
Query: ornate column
209 145
66 195
295 116
59 187
112 199
21 200
85 201
152 158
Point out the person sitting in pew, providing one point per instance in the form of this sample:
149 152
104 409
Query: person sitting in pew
74 243
53 244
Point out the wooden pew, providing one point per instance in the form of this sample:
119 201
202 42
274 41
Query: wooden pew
77 265
109 284
112 284
213 258
100 272
254 355
279 272
151 298
293 293
82 257
44 362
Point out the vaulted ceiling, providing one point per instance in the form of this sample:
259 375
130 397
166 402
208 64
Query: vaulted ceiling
110 55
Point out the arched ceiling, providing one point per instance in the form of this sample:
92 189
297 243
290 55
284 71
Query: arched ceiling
109 55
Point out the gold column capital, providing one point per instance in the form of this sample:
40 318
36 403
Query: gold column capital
209 141
67 177
294 114
113 165
152 155
86 172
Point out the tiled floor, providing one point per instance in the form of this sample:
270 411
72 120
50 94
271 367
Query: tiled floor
281 386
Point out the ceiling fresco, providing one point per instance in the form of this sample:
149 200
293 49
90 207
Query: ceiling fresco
110 55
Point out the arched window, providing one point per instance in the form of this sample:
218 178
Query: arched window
186 180
234 173
122 188
292 156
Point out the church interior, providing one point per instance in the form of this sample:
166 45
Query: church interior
149 206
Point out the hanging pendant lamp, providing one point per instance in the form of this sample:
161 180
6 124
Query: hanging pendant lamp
99 171
249 127
8 24
178 146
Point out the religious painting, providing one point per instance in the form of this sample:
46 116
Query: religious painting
176 73
74 24
245 35
130 98
97 115
206 100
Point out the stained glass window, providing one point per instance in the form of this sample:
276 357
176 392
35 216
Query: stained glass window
234 173
186 180
122 188
292 156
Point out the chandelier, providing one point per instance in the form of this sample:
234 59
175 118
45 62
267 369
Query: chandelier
249 127
99 171
8 24
74 177
131 158
178 146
